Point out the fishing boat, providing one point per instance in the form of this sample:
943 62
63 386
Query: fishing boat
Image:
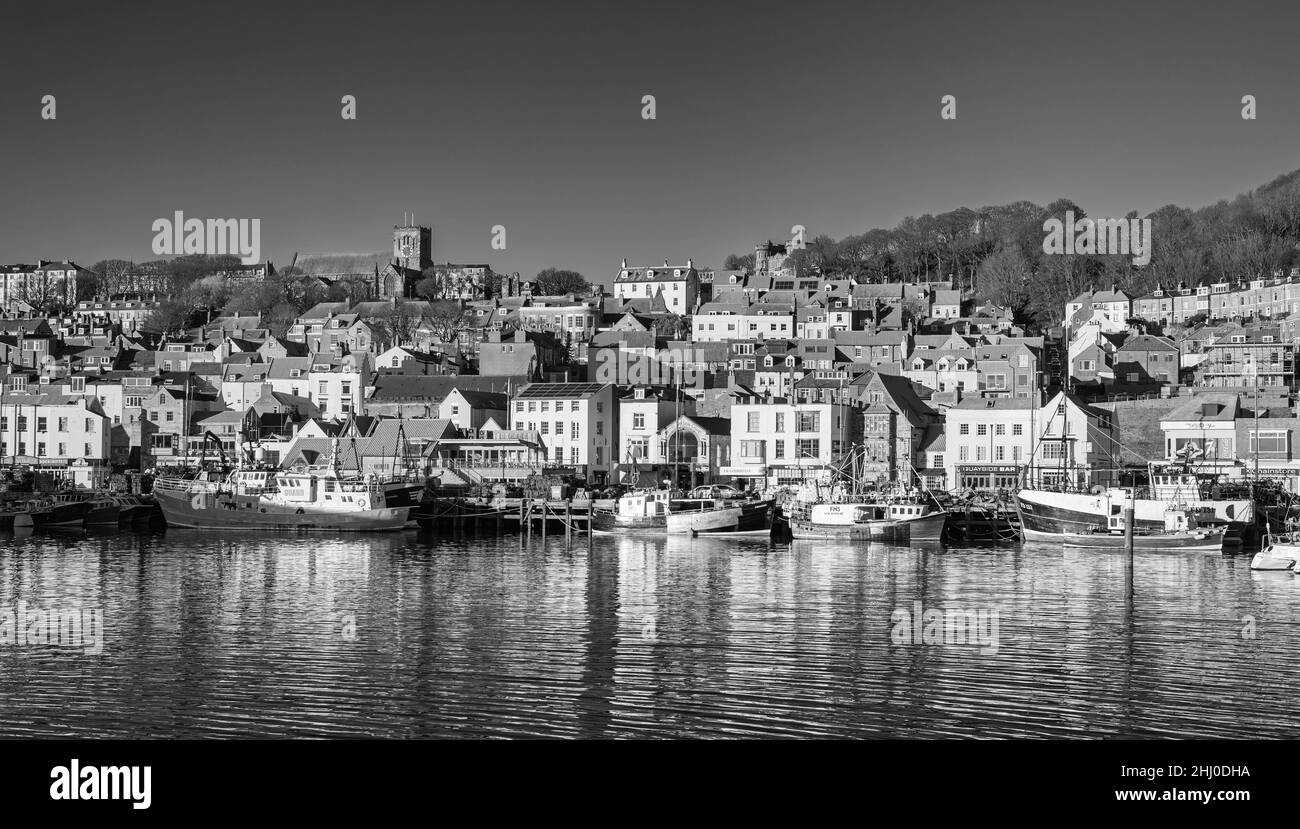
641 510
68 508
845 522
30 512
713 510
1048 514
312 499
1281 552
104 511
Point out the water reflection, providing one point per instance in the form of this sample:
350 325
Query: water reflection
413 636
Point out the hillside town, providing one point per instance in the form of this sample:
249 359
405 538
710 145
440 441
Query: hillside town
674 373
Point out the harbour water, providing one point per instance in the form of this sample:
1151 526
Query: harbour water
406 636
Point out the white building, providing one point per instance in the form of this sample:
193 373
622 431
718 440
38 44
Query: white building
991 441
56 431
788 443
577 422
678 284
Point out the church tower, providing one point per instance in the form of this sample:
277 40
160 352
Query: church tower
412 247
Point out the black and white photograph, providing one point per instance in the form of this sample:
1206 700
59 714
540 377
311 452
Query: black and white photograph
571 372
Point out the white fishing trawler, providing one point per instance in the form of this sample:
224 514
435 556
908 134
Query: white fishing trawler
308 498
851 510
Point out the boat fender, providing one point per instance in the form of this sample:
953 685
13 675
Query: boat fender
296 512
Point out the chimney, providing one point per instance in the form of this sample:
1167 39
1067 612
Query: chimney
625 262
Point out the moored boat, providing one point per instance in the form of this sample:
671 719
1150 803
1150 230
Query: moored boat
1176 541
704 516
67 509
312 500
104 512
845 521
1281 552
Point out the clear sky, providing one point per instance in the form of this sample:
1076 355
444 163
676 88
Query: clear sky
528 115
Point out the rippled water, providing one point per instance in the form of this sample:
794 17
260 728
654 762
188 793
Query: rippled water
248 635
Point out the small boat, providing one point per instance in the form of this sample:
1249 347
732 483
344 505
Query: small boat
642 510
706 511
103 512
1208 540
847 522
24 514
68 509
1281 552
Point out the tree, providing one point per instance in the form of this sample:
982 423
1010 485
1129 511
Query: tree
111 276
444 319
173 316
739 262
1005 278
553 282
430 287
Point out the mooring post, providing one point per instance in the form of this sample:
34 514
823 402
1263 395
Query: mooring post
568 523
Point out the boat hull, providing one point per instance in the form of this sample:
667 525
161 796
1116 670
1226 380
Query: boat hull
1046 515
612 522
103 515
67 514
865 530
1158 543
740 517
1277 557
201 511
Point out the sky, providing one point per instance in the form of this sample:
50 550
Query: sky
529 116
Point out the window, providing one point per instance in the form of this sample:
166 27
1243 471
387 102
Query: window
751 422
780 422
982 429
1268 440
171 416
808 422
963 453
559 428
964 429
999 452
751 448
980 453
40 450
1087 365
778 449
575 431
573 456
638 421
1000 430
1017 429
1015 453
808 447
600 427
573 406
90 425
546 425
936 461
41 424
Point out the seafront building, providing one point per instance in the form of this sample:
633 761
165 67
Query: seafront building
761 377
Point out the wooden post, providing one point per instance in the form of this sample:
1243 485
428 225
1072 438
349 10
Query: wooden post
568 523
546 510
529 521
1128 531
